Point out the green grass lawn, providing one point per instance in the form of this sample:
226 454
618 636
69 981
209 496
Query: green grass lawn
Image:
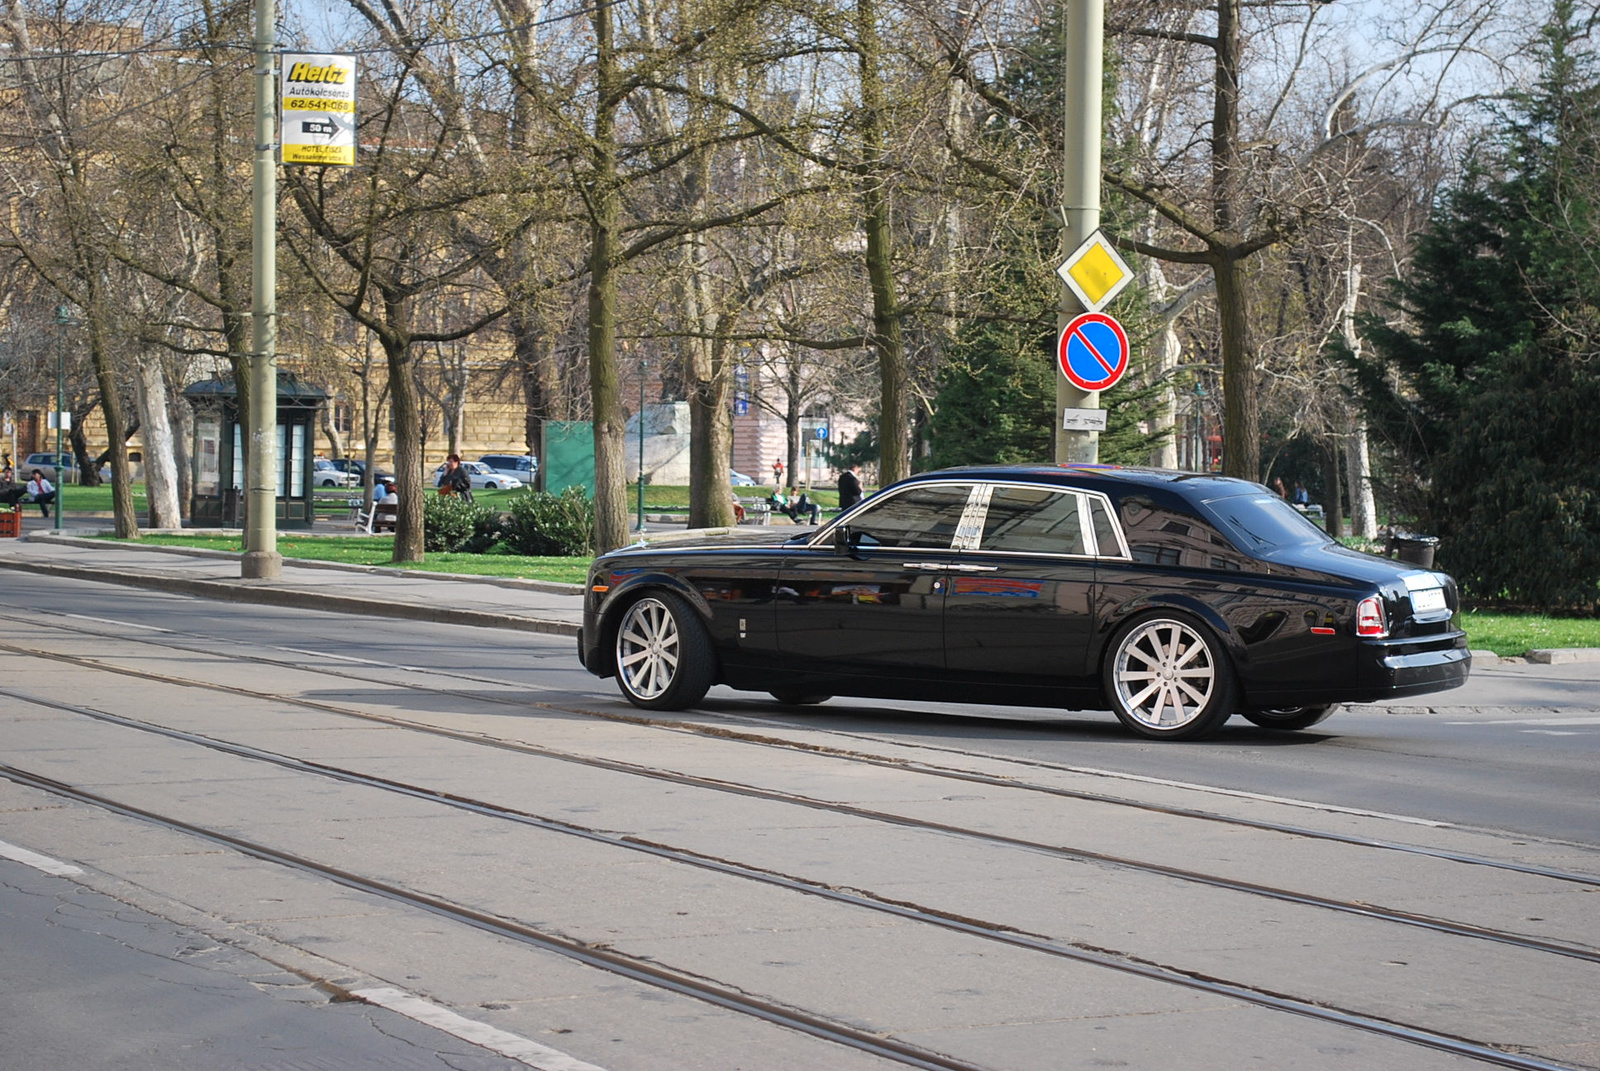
378 550
1511 635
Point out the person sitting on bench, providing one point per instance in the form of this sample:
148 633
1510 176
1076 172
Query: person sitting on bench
794 507
41 492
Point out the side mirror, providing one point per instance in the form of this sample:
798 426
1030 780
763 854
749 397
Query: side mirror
842 543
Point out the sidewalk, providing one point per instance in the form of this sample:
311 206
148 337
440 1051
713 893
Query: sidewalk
524 605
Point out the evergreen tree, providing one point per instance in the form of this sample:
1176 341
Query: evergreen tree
1495 361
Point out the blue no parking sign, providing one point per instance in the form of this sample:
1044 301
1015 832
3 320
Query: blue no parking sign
1093 351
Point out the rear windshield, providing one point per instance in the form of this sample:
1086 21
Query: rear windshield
1264 521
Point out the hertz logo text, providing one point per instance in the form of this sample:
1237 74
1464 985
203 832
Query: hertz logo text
330 75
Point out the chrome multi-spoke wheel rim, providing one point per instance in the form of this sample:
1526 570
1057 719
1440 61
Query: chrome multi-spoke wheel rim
648 649
1166 674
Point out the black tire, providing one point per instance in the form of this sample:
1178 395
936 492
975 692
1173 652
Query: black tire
799 699
662 654
491 487
1290 717
1167 677
328 483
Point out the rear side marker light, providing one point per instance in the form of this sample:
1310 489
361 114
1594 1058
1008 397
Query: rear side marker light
1318 630
1370 621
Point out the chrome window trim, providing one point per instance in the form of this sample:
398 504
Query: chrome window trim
1085 518
1123 554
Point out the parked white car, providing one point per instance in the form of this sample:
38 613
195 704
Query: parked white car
483 477
517 466
325 473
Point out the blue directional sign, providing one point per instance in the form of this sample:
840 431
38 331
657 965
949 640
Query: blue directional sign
1093 351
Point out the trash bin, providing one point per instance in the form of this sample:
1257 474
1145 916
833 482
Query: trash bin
1412 549
10 523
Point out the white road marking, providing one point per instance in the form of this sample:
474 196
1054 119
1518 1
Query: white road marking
114 621
492 1038
1259 797
1588 719
37 861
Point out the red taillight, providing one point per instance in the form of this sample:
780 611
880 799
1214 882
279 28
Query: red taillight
1369 618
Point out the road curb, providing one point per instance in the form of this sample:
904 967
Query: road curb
1562 656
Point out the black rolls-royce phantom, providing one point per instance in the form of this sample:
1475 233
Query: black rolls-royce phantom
1173 599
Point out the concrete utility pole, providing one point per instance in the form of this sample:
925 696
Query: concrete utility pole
1080 191
261 560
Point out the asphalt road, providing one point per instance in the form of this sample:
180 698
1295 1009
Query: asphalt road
163 953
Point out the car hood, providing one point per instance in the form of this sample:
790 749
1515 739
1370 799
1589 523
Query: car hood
758 537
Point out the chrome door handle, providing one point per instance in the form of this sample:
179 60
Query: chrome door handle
973 568
937 567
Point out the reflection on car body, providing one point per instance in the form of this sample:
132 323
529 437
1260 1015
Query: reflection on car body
1173 599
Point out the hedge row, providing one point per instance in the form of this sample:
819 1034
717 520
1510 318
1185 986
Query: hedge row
538 524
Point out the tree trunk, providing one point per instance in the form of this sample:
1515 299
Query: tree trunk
1167 348
710 418
1358 470
894 462
405 407
1332 500
610 424
124 520
160 461
1241 442
1358 462
182 454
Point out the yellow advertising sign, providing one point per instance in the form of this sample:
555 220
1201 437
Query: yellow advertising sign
319 109
1095 272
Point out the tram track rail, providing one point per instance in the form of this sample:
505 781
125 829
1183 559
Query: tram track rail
742 735
654 973
1360 909
718 994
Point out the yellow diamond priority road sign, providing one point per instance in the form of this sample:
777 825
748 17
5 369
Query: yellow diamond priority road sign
1095 272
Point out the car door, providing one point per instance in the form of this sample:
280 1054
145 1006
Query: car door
1019 604
876 609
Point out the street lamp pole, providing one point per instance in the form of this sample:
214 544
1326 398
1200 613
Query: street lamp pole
63 318
644 364
261 560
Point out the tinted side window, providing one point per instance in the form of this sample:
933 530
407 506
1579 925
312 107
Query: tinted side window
1033 520
1165 533
924 517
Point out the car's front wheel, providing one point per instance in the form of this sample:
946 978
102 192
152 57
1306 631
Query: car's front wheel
1168 678
1290 717
663 655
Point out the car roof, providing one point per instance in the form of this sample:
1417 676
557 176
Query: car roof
1101 477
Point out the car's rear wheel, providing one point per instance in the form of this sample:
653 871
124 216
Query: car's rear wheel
1290 717
800 699
663 655
1168 678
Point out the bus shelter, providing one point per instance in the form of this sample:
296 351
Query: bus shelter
218 497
